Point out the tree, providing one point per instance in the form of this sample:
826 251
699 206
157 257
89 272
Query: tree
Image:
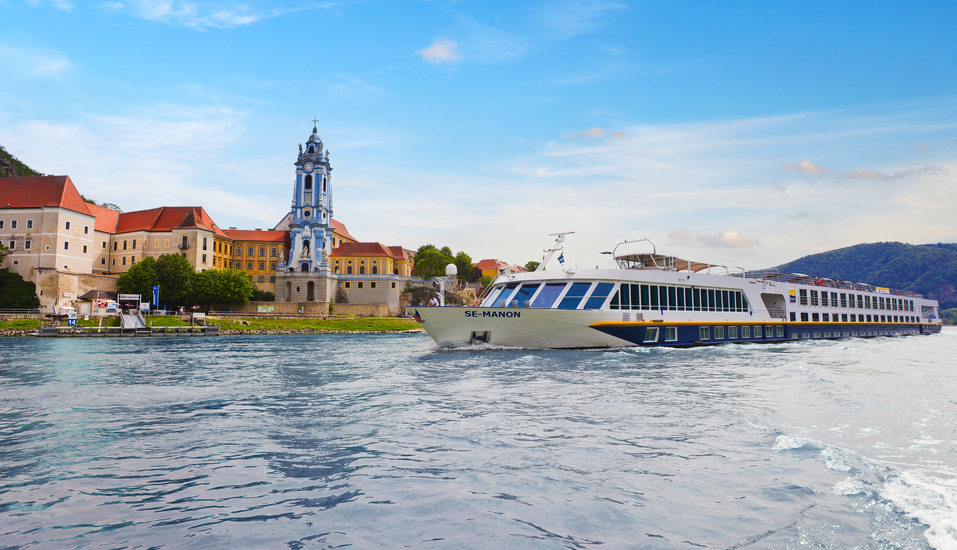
262 296
226 286
140 279
486 280
430 262
463 263
532 265
175 275
16 293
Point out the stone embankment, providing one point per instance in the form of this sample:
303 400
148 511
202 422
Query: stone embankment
17 332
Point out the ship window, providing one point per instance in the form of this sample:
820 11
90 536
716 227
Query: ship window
613 304
704 333
843 317
681 299
850 301
843 300
505 298
671 298
549 295
651 334
625 297
574 296
757 331
663 297
815 317
598 296
524 294
860 302
727 304
654 296
793 317
737 301
711 302
803 294
745 332
825 317
853 317
688 299
769 331
804 318
671 334
635 297
645 297
719 333
813 297
834 299
490 300
780 331
732 332
697 299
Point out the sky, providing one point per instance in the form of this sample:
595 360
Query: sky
741 133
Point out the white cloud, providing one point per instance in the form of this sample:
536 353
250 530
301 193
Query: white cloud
575 17
198 15
19 61
64 5
804 167
595 132
442 50
726 238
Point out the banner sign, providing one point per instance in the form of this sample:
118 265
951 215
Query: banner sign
264 309
129 297
156 296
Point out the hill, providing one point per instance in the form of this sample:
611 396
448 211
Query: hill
10 166
928 269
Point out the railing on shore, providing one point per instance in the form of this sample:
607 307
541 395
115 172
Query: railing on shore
15 311
84 332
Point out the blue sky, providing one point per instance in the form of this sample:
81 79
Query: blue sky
740 133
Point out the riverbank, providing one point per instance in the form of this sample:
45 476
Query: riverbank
347 325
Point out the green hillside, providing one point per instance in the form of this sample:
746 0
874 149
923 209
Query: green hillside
10 166
928 269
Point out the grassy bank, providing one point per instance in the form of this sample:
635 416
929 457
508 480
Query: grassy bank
347 324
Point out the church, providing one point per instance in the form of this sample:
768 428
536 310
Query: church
68 246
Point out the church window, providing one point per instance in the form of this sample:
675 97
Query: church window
306 213
262 250
273 252
132 260
66 245
27 244
372 284
134 244
250 251
337 269
114 261
123 260
204 258
348 284
249 266
29 224
393 284
124 245
114 246
262 278
395 271
102 261
308 183
185 244
362 270
349 270
323 185
84 248
360 284
262 266
14 224
86 229
272 279
272 266
375 270
204 243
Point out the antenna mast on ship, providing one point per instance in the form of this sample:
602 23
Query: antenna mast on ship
560 238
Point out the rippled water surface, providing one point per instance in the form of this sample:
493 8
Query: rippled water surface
385 441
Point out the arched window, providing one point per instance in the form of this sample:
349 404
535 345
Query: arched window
375 270
308 183
395 271
362 270
349 270
323 185
311 150
337 269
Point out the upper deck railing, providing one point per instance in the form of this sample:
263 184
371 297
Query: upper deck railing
802 279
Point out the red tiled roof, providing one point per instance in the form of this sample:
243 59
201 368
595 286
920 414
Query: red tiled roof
40 191
340 228
259 236
166 218
106 218
398 252
491 264
362 249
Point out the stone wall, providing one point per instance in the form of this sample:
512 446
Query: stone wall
68 286
285 308
369 310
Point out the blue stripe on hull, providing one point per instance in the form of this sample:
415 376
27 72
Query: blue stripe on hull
689 335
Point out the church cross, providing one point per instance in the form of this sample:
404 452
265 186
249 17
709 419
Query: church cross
314 122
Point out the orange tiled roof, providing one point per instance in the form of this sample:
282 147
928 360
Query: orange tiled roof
166 218
106 218
363 249
340 228
40 191
258 236
398 252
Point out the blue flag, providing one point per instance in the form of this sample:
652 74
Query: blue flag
561 258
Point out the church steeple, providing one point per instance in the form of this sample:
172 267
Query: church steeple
311 227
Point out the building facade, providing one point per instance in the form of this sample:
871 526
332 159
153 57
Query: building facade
259 254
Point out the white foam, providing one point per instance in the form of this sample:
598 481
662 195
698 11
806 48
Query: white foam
849 487
931 500
787 442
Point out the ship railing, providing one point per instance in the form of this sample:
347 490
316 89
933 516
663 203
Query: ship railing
801 279
776 312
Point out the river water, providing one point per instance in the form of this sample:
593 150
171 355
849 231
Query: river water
386 441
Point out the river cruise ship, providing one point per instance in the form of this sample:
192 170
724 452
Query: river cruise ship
655 299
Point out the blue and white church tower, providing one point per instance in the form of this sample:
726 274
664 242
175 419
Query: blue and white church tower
310 230
306 277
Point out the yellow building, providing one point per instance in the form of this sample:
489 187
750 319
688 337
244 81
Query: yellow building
259 253
352 258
